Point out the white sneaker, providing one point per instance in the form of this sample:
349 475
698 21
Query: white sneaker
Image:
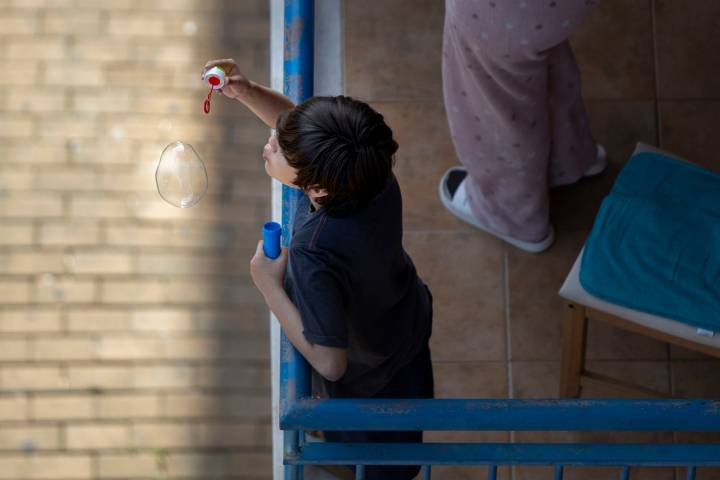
600 163
453 195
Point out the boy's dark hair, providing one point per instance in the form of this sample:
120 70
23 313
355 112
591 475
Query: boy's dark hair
338 144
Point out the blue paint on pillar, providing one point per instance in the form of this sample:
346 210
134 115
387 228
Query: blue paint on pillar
298 67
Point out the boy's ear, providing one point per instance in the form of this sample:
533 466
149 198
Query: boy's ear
314 192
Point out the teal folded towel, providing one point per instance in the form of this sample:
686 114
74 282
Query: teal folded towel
655 244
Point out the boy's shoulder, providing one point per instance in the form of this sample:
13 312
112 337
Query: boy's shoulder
343 234
327 233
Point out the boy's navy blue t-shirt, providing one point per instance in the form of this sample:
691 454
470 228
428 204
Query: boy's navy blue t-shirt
356 288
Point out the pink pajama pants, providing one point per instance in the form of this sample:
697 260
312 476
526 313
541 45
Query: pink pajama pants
512 95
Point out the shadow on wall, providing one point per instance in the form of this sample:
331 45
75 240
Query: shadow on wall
236 378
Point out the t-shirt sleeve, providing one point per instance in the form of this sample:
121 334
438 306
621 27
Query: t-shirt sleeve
318 296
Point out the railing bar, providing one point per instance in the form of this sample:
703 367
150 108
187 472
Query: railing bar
691 472
502 415
492 472
575 454
294 472
360 472
301 438
625 473
558 472
290 447
426 472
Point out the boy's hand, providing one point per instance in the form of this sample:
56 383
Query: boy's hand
236 84
268 274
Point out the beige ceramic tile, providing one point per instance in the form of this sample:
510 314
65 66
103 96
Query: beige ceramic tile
605 342
680 353
464 271
536 309
533 473
535 379
687 38
425 153
538 379
619 125
687 130
470 379
614 50
392 49
467 473
596 473
649 374
696 378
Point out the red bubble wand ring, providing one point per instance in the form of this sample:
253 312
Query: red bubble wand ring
215 77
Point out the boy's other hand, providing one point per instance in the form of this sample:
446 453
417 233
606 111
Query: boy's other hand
236 84
268 274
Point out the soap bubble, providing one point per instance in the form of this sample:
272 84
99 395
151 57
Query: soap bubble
181 176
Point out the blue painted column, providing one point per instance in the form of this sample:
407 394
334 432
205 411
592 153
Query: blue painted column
298 67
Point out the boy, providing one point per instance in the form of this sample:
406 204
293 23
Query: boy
355 307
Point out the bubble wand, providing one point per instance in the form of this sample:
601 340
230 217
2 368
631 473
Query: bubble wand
215 78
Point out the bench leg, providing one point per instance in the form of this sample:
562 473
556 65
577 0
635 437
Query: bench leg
573 350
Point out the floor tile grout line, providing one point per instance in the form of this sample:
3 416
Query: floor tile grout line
671 382
508 342
656 77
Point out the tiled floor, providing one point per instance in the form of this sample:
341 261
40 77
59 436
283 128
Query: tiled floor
649 74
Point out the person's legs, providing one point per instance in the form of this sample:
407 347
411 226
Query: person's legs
495 85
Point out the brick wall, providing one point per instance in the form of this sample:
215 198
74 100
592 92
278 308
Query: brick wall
132 343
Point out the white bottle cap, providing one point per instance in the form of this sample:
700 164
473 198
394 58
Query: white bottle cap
214 77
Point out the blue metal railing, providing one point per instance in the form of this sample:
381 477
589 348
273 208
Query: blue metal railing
299 411
506 415
298 86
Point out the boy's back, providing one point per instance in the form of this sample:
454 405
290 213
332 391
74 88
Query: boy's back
356 288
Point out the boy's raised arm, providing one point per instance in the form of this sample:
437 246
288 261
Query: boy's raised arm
264 102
